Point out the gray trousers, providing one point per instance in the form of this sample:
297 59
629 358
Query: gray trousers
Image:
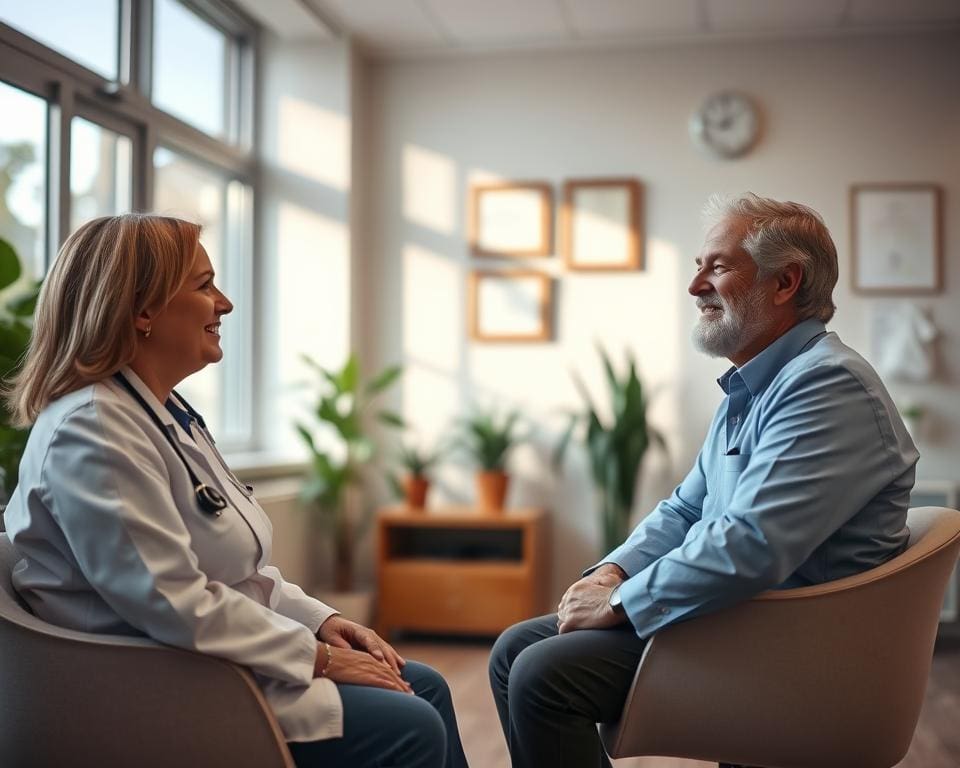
389 729
551 690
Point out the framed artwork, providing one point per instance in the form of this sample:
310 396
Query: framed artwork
940 493
601 224
896 238
510 305
510 219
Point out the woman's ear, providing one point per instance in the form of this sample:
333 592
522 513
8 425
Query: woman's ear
144 321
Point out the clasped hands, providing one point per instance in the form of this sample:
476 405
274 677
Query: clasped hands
358 656
586 604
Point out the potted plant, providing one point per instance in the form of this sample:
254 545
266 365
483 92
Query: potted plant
615 448
488 439
17 303
340 449
415 483
913 417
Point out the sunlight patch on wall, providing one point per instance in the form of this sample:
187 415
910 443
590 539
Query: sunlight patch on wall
429 189
314 142
313 277
433 308
431 401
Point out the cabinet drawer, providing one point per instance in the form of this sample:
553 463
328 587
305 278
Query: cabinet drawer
454 597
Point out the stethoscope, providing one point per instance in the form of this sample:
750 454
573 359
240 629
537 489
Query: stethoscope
210 499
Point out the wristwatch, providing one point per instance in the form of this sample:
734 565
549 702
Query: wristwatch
615 602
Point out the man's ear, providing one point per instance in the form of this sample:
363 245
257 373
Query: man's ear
788 283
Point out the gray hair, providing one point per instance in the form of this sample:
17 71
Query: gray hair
780 234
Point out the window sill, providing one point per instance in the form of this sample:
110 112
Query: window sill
258 466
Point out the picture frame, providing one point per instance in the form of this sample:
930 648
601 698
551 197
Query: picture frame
510 305
896 238
941 493
510 219
601 224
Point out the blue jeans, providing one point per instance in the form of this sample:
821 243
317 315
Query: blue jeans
387 729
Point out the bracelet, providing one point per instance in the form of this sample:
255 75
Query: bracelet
323 672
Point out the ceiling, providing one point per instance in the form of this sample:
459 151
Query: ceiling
390 28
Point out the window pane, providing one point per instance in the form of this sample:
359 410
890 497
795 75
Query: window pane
189 190
189 67
23 184
87 32
100 165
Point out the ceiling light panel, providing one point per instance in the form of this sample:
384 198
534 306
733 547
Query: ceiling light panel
493 21
603 18
384 23
749 15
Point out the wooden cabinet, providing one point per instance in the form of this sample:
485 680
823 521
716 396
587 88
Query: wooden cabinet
455 570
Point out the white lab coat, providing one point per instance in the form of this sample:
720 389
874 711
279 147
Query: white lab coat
113 541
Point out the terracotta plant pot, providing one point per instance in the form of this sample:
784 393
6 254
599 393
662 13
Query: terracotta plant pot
492 491
415 489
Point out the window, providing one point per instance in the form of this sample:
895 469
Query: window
87 32
100 172
190 67
190 190
23 181
107 108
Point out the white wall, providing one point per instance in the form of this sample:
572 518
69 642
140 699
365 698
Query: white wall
836 112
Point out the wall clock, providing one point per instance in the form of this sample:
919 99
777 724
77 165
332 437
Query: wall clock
727 124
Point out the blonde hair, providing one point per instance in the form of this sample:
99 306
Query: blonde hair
107 272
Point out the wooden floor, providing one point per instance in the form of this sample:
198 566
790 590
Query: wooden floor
936 743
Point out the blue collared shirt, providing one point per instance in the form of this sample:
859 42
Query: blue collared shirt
804 477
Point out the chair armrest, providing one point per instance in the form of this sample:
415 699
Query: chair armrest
829 666
107 700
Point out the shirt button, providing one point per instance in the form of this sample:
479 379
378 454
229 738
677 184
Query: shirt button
662 610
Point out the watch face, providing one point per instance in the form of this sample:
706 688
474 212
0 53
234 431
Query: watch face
726 124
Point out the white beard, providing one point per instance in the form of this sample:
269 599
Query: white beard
739 324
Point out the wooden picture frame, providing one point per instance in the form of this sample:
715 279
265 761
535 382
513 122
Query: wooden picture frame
510 219
896 245
510 305
601 224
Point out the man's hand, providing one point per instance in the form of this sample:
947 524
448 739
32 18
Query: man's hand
586 604
343 633
607 575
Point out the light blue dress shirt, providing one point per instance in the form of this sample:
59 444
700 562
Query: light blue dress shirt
804 477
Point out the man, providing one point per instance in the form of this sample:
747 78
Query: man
804 477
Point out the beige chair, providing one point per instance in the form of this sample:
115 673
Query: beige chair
72 700
831 676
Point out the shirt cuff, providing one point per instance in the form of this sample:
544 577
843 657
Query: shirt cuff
642 609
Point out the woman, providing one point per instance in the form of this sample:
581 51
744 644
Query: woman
129 522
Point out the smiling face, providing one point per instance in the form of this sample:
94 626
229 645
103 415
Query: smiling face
735 308
185 334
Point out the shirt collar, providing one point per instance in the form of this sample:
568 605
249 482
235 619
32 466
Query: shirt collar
759 371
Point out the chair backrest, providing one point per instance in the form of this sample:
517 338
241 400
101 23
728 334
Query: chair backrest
73 699
831 675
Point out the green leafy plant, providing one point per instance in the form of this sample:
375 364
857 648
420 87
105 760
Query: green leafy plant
417 461
17 304
615 447
488 437
340 448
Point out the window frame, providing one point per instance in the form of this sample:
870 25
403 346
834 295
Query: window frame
71 89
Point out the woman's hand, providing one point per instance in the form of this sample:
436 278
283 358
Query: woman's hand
345 665
346 634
